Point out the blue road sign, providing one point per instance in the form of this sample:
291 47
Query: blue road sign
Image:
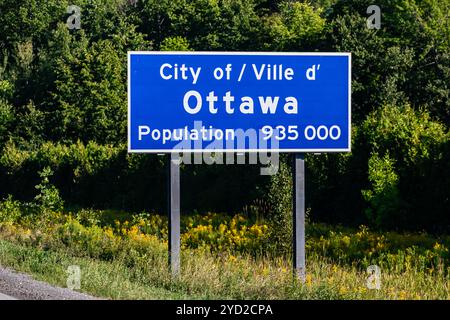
239 102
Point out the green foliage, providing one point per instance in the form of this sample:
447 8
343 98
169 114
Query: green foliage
411 136
406 60
296 26
279 200
369 65
75 78
90 94
48 198
206 24
391 251
405 168
10 210
75 165
7 115
175 44
6 120
397 170
27 19
30 127
6 90
384 196
88 217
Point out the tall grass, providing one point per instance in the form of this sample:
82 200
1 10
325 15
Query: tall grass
125 260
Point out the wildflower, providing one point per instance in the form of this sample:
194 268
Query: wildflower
346 240
222 228
308 280
343 290
362 290
402 295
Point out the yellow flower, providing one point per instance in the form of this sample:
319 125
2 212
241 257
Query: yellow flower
109 232
222 228
346 240
402 295
309 280
362 290
343 290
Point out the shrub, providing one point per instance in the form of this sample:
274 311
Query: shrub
279 198
48 198
384 198
175 44
297 25
6 119
407 184
10 210
213 232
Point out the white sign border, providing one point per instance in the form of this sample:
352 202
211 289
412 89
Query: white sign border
245 53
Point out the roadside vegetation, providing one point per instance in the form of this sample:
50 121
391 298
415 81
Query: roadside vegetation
124 256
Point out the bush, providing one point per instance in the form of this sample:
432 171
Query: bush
384 198
396 177
48 198
214 232
279 198
408 186
175 44
105 176
6 119
10 210
206 24
297 25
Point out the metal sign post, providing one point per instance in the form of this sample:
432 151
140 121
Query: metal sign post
174 215
298 222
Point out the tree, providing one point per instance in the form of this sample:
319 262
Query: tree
206 24
297 26
408 58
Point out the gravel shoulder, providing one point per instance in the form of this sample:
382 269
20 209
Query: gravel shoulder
22 287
